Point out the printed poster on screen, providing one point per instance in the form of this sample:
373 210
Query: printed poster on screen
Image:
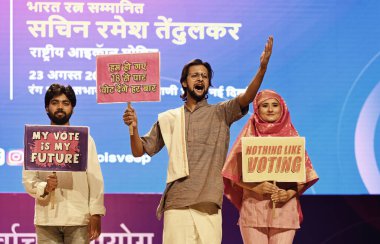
128 77
279 159
55 148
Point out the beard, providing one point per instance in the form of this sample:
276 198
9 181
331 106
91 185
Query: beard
59 120
197 97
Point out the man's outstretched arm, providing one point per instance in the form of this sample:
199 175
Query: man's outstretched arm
247 97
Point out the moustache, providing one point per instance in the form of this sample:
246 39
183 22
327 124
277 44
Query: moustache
60 111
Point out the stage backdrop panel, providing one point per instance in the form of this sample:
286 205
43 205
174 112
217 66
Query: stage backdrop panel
345 219
325 63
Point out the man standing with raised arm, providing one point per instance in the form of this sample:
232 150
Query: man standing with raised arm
197 138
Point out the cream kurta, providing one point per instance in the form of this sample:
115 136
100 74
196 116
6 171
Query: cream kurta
78 195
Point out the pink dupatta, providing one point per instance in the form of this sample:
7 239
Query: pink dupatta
255 126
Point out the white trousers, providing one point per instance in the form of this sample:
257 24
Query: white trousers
200 224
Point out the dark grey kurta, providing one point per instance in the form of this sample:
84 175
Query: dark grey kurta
207 131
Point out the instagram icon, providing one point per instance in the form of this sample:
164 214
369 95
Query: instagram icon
15 158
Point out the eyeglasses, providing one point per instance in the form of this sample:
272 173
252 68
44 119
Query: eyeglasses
194 76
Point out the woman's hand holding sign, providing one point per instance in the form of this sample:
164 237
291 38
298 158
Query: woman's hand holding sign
282 196
266 188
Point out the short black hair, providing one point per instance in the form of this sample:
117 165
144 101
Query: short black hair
185 73
56 90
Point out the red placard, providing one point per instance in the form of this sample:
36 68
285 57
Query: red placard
128 77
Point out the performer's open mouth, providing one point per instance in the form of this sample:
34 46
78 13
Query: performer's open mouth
199 87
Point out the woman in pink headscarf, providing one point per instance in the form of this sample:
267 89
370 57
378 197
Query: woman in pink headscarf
255 200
